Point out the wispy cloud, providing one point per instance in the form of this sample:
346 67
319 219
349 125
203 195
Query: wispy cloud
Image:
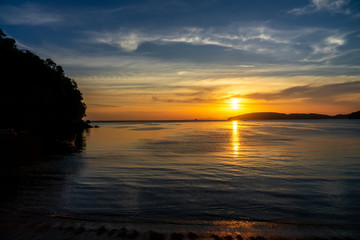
326 49
300 45
182 100
102 105
128 41
28 14
191 94
337 93
240 38
333 6
329 93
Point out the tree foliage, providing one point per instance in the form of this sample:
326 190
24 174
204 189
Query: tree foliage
35 94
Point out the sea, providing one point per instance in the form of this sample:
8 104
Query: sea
293 178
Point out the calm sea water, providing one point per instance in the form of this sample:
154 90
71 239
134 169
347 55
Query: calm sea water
302 172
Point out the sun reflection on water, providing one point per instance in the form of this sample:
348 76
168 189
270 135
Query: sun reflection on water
235 139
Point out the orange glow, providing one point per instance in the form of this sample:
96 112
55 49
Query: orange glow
213 98
143 109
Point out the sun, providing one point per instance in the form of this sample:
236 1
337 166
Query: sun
235 103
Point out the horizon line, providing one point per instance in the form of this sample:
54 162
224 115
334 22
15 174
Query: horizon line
203 120
168 120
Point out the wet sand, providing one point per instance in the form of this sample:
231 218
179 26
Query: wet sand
33 226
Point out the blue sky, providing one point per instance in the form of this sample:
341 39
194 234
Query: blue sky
189 59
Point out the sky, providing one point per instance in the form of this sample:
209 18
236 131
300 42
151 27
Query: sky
213 59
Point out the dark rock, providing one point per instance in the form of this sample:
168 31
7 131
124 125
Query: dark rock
228 237
215 237
257 238
101 230
192 236
68 229
80 230
122 233
134 234
156 236
176 236
111 232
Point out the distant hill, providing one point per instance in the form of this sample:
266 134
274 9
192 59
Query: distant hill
276 116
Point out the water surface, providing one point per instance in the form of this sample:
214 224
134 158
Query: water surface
297 172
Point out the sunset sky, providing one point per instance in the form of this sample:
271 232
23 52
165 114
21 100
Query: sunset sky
213 59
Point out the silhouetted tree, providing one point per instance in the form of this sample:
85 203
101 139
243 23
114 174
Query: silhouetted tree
35 94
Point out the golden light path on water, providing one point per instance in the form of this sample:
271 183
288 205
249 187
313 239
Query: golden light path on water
235 139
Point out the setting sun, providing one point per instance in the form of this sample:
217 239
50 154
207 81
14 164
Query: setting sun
235 103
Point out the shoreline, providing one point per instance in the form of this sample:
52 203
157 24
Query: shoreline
25 225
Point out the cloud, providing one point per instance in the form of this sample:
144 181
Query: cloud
330 5
28 14
329 93
128 41
241 38
326 49
191 94
256 41
333 6
186 100
199 91
101 105
337 93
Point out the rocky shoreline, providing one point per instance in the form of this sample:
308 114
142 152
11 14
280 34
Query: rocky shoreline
40 227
